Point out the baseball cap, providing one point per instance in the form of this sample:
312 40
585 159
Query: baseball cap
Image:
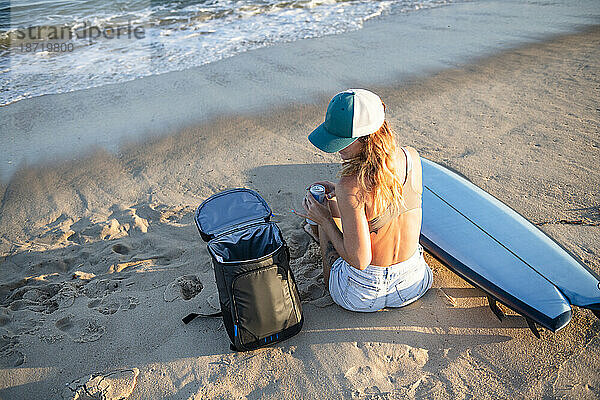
350 114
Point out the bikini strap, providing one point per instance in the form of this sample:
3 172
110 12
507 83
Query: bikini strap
409 164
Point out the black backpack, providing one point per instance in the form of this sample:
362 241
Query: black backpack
257 291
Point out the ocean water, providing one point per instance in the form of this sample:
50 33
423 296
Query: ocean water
56 46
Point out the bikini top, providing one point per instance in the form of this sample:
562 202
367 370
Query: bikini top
410 193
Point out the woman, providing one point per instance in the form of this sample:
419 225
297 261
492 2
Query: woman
377 262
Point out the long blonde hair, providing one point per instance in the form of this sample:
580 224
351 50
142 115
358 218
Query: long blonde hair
375 169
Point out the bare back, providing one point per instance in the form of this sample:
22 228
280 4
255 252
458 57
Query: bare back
398 239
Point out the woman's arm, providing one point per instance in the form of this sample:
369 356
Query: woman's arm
335 213
354 245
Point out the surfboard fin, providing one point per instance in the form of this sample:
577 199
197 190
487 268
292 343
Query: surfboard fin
494 307
532 327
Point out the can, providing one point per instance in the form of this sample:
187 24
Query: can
318 192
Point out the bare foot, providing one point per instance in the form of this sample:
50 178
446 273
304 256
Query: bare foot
312 231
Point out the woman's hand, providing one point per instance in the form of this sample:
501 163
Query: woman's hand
315 211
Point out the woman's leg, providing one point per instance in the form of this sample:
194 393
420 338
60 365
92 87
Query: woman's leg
329 255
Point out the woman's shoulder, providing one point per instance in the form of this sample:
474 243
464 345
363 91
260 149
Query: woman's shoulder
347 184
412 151
349 190
414 155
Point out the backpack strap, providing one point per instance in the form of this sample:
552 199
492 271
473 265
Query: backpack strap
188 318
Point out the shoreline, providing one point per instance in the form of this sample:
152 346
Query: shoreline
307 115
101 258
382 52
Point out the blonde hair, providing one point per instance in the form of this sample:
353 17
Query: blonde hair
375 169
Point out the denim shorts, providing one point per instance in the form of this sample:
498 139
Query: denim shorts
375 288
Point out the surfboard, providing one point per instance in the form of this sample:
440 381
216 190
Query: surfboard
498 250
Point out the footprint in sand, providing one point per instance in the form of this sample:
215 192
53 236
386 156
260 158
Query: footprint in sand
42 298
110 305
186 287
428 387
367 381
101 287
298 243
309 276
20 325
111 385
176 215
60 265
5 317
120 249
308 266
57 231
313 273
9 356
81 330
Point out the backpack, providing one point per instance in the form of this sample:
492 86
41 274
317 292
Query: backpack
258 295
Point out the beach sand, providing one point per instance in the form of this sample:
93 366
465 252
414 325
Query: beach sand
100 257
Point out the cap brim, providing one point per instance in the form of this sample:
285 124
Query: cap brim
327 142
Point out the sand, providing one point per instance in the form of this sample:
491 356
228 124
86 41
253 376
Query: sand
100 258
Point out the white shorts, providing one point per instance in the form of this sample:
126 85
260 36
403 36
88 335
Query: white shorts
376 287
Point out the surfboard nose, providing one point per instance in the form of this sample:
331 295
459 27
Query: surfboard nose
562 320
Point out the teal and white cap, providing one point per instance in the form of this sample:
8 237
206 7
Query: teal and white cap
351 114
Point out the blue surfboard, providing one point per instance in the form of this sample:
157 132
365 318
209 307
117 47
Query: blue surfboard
496 249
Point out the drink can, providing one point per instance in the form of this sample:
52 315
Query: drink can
318 192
